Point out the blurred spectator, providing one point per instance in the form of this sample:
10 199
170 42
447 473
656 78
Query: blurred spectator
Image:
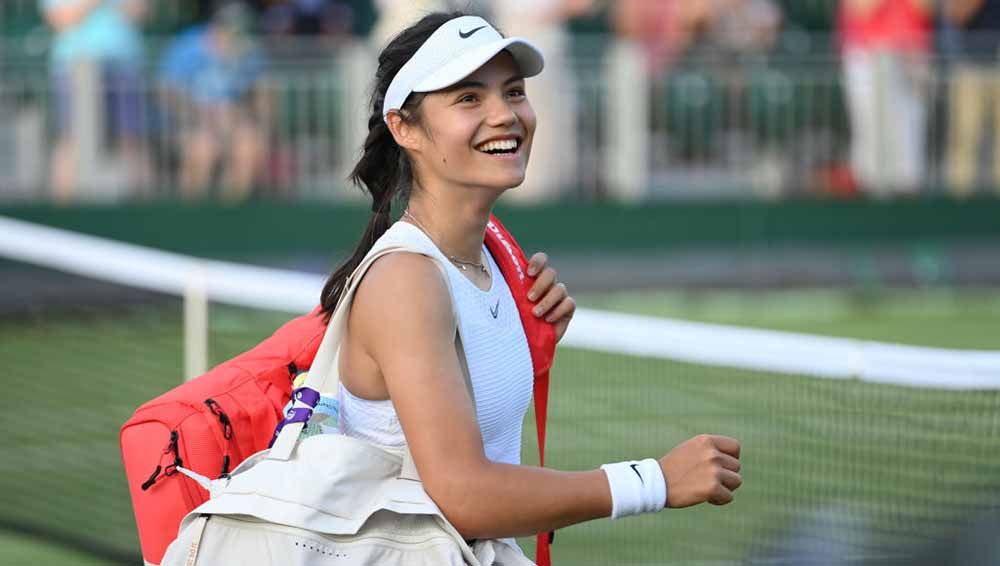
98 46
975 89
552 94
327 18
667 29
213 76
663 28
395 15
885 46
745 27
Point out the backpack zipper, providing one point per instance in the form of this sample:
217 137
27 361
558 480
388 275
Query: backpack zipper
227 432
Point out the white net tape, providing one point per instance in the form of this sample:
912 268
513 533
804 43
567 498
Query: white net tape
707 344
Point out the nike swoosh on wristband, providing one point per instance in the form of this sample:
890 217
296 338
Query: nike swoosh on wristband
468 34
636 470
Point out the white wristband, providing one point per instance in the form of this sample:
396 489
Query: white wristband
636 487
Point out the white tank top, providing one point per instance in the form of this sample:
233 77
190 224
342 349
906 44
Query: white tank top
497 355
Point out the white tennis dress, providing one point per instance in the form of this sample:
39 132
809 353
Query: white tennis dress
496 351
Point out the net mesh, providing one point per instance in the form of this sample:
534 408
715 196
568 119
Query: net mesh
842 466
831 467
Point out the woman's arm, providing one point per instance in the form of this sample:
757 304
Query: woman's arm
135 10
959 12
402 316
862 8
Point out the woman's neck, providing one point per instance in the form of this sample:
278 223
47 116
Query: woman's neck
457 226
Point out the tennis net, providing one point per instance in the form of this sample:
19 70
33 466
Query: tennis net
859 451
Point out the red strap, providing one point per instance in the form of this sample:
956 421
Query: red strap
540 334
542 554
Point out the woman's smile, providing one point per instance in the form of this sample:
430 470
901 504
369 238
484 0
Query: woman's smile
507 148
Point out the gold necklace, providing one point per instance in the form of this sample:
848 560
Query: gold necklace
462 264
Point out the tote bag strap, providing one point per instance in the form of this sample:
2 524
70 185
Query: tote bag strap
324 375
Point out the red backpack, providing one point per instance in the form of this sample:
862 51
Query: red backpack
212 423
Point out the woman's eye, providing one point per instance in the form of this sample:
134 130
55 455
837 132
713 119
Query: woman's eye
467 98
516 93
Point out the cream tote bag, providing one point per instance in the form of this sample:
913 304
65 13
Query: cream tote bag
329 499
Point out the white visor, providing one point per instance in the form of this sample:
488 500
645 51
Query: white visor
454 51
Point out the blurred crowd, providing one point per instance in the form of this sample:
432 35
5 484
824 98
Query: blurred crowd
212 105
887 49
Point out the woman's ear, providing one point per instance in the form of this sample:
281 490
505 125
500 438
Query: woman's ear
406 135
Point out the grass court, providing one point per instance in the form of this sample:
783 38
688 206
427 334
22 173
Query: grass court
881 468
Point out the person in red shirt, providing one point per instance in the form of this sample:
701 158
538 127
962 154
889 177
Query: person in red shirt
884 48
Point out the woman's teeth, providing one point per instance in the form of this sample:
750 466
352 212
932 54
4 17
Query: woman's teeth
500 146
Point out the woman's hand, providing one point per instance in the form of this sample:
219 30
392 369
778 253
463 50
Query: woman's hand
704 468
553 302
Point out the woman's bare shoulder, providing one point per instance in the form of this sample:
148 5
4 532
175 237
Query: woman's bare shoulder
402 293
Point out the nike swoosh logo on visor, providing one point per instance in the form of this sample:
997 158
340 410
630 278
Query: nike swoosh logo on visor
468 34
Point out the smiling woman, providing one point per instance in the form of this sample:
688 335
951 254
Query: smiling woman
433 359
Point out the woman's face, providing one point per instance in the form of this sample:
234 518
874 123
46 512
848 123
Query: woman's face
478 133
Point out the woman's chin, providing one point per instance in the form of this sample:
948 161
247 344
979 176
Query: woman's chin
501 183
512 179
513 184
495 180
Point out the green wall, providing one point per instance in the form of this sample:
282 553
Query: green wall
310 227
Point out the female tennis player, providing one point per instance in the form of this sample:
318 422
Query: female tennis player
450 131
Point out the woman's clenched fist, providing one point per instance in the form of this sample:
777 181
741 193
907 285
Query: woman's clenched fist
704 468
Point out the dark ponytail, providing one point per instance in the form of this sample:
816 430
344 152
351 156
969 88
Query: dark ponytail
384 170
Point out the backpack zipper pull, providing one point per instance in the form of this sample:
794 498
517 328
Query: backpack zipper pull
227 425
152 479
171 447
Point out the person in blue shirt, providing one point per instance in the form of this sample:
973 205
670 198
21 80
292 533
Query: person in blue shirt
213 74
106 34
